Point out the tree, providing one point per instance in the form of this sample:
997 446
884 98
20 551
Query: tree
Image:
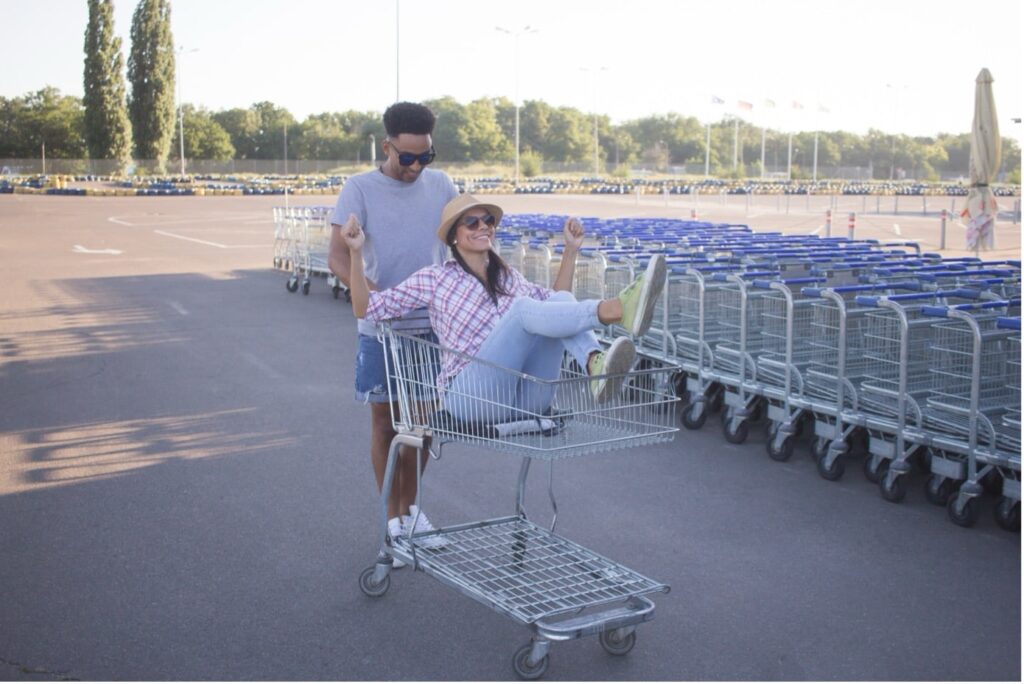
204 137
43 117
108 133
151 74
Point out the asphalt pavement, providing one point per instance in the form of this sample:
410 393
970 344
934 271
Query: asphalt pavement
185 494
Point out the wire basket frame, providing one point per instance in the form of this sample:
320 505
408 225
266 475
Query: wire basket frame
510 411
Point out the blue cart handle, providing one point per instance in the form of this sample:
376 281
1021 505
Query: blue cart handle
1009 322
943 311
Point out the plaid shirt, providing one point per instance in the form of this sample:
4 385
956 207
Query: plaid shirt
461 312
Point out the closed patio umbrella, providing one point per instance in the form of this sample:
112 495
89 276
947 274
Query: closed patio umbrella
986 154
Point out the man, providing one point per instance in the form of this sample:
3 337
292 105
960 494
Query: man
399 207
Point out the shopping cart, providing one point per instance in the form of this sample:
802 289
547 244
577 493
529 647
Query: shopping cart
557 588
307 234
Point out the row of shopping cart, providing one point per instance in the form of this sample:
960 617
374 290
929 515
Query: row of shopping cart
302 236
874 346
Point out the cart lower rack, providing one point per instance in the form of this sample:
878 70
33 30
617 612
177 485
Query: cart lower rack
557 588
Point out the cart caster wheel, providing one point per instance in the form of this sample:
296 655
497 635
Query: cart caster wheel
784 451
617 646
1007 513
737 436
694 416
874 473
938 489
819 447
893 487
964 516
523 669
348 296
305 287
335 290
277 263
831 472
367 586
292 285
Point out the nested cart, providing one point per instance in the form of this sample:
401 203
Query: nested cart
524 570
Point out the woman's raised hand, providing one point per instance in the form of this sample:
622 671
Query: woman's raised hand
573 233
353 233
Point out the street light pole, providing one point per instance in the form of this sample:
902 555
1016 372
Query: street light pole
593 97
515 56
181 114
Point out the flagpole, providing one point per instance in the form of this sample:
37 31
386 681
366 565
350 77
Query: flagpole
762 152
707 152
815 177
735 142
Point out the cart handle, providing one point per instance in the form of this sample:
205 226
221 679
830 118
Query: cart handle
1008 322
816 291
767 284
943 311
873 301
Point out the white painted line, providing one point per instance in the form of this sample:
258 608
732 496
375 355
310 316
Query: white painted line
896 229
177 307
79 249
816 230
182 237
114 219
273 374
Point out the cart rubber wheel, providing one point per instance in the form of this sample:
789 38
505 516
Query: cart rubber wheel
1007 514
784 451
277 263
367 586
694 416
938 489
966 515
305 287
819 447
348 296
292 285
831 473
874 473
523 669
335 290
893 486
617 646
737 436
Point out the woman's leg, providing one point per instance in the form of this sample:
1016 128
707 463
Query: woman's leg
529 338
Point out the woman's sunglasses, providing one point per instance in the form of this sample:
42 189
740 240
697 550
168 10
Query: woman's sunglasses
478 222
408 158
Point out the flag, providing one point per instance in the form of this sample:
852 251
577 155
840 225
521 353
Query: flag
797 105
717 100
744 105
769 103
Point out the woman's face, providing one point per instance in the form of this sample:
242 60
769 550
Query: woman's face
474 231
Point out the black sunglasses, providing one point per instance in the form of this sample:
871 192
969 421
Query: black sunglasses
408 158
473 222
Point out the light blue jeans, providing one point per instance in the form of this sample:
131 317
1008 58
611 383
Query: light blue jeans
530 338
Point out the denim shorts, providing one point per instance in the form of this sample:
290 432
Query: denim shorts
371 371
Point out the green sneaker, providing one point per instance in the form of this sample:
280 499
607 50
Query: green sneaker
639 297
609 367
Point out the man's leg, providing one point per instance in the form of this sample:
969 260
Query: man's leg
403 484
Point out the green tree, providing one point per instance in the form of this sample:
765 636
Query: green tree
108 133
43 117
242 126
204 137
151 68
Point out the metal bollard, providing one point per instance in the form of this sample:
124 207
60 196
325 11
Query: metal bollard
850 225
942 232
828 223
693 214
924 205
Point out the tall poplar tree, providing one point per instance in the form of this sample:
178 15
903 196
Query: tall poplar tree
108 134
151 75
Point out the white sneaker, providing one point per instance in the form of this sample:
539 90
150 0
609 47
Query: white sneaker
395 530
422 526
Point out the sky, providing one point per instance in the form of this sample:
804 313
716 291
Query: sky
903 66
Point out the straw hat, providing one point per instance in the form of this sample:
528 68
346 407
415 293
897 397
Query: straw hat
459 206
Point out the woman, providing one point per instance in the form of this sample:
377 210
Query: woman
482 308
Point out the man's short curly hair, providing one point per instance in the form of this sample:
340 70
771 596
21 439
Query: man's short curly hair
408 117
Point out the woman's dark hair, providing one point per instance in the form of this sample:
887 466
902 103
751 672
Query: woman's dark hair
497 272
408 117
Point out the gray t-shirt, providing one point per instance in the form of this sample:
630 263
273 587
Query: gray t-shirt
400 221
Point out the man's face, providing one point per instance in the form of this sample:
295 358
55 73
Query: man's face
406 143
